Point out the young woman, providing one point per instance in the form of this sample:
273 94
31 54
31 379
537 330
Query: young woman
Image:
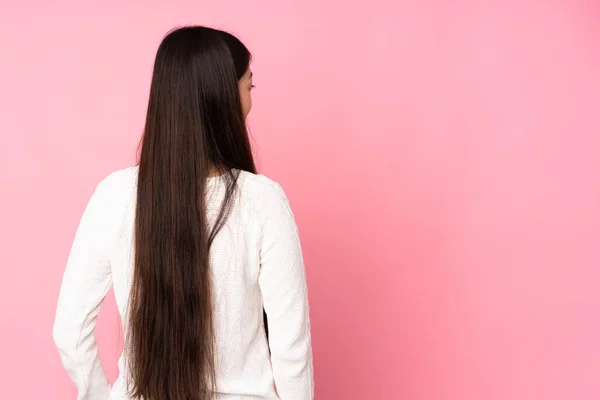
196 246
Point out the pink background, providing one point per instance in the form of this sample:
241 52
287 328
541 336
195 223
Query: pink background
442 158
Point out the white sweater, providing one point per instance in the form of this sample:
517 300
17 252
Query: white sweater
256 262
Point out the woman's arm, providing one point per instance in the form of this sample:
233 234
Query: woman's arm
87 279
283 284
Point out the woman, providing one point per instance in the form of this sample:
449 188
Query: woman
215 245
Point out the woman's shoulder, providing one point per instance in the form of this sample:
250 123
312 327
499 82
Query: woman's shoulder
120 179
118 186
259 186
261 191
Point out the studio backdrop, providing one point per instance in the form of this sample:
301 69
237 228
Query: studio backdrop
442 159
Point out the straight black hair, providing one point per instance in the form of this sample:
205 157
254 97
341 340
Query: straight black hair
194 127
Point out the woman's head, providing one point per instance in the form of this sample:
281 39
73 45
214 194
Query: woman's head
203 51
202 85
195 126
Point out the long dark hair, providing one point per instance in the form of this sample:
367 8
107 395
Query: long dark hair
195 127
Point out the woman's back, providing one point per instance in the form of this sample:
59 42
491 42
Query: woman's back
194 259
255 261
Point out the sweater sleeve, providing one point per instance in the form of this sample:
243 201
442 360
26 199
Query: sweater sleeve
86 280
282 282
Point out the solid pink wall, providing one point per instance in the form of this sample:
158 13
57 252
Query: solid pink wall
442 158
